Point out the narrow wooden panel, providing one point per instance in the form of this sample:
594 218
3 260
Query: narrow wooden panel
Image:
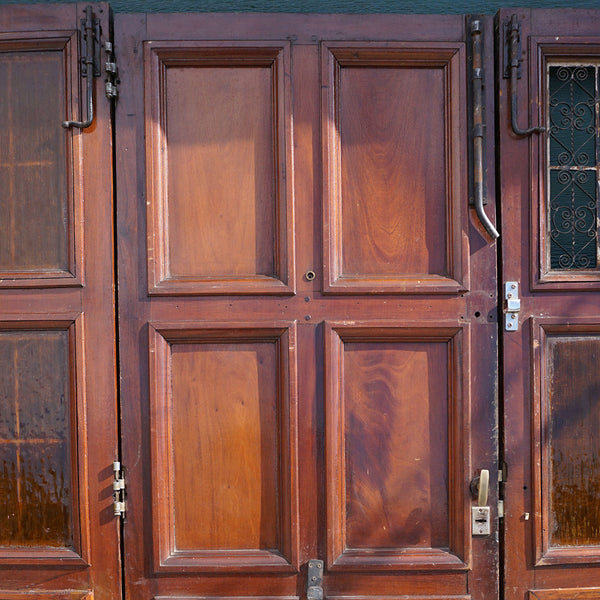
573 399
566 414
391 183
33 232
396 481
223 414
36 506
219 118
393 501
46 595
224 423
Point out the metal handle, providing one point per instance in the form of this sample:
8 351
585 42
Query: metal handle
480 486
89 74
478 131
515 51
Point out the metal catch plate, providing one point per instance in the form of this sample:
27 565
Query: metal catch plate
480 520
512 306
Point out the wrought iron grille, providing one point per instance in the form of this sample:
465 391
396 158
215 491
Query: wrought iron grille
574 166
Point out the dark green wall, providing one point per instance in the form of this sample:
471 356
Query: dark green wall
335 6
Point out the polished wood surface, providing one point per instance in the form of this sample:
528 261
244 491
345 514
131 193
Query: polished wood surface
192 341
57 321
550 440
217 135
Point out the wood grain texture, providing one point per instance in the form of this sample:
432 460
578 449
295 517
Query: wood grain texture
222 411
389 487
68 293
42 189
218 134
391 123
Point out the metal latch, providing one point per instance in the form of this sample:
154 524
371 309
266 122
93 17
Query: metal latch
90 64
118 490
314 586
512 306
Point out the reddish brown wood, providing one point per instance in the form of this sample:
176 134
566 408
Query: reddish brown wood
392 170
224 430
394 497
558 316
170 318
224 109
63 286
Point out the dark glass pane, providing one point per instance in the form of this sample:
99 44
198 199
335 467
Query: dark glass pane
572 116
33 203
574 438
35 447
573 212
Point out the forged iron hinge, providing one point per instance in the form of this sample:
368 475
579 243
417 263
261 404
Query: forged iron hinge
111 69
118 490
314 585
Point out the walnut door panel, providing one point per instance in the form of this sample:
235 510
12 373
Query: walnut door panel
218 150
37 156
393 157
223 410
396 420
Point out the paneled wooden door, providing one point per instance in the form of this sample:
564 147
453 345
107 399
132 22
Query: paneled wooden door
58 418
306 307
550 188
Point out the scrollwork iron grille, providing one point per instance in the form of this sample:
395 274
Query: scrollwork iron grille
574 166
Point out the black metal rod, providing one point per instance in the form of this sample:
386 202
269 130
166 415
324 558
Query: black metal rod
89 62
514 70
478 171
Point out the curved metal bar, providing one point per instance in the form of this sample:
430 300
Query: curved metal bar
89 62
478 131
514 33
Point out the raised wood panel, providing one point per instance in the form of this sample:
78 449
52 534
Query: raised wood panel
223 406
403 597
566 444
395 499
40 243
547 50
394 168
220 218
42 497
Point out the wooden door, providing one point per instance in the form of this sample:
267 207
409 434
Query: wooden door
550 194
306 307
58 429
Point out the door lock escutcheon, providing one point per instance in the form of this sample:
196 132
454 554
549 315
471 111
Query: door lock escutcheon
314 584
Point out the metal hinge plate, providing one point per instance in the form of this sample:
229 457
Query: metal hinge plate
110 86
314 585
512 306
118 490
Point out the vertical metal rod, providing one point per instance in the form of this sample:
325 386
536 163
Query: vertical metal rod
89 61
478 130
514 34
